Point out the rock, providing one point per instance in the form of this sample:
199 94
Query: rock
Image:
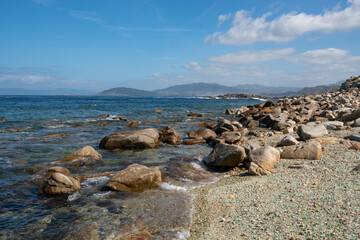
356 123
287 141
333 125
4 120
253 124
231 137
269 104
250 146
277 122
132 124
353 137
169 135
53 170
350 116
156 120
311 151
135 178
230 111
355 146
311 130
226 155
102 124
193 141
225 125
158 110
262 160
59 183
205 134
194 114
139 139
85 155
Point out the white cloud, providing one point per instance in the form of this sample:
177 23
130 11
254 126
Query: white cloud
223 18
84 16
289 26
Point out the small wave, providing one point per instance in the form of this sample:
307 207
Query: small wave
94 181
260 99
74 196
56 126
168 186
100 195
5 163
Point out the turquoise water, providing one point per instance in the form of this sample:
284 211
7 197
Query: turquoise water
95 212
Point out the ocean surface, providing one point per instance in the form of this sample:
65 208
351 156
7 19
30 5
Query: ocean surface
29 146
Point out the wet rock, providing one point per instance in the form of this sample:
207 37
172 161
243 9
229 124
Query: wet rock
57 169
139 139
4 120
135 178
194 114
156 120
59 183
169 135
132 124
191 141
311 130
102 124
205 134
287 141
262 160
56 135
231 137
85 155
230 111
226 155
311 151
158 110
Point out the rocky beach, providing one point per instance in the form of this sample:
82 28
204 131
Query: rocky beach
286 169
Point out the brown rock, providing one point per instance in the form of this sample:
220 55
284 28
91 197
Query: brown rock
59 183
102 124
194 114
355 146
193 141
262 160
156 120
133 124
226 155
56 135
205 134
231 137
4 120
287 141
85 155
169 135
230 111
135 178
311 151
158 110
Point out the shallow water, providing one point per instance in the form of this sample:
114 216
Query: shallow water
27 149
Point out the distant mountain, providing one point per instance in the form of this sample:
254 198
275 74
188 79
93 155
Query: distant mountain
263 90
127 92
321 89
58 91
196 89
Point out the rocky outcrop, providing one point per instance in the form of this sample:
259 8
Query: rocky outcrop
225 155
59 183
139 139
135 178
85 155
169 135
311 151
311 130
262 160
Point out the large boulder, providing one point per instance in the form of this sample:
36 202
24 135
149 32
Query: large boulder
138 139
311 130
205 134
226 155
231 137
356 123
262 160
169 135
225 125
135 178
59 183
85 155
311 151
277 122
288 140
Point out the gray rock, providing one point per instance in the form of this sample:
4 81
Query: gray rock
135 178
224 126
139 139
253 124
333 125
311 130
231 137
354 137
226 155
356 123
287 141
205 134
262 160
311 151
350 116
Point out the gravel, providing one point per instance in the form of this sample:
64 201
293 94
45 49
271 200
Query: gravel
319 199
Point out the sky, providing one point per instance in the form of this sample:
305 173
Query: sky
152 44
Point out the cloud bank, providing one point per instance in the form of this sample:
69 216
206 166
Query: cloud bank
247 30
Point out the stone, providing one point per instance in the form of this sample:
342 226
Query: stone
132 124
225 155
356 123
135 178
253 124
287 141
333 125
311 151
169 135
57 169
59 183
311 130
276 122
262 160
194 114
231 137
224 126
85 155
356 146
191 141
205 134
347 117
250 146
353 137
4 120
158 110
230 111
138 139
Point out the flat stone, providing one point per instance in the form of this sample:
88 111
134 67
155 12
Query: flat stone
311 151
311 130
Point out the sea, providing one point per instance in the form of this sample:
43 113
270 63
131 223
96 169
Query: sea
43 129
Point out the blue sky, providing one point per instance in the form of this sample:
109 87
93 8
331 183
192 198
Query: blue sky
152 44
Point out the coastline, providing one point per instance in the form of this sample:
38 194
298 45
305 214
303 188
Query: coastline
318 201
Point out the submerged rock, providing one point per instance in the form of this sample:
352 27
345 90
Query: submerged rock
226 155
139 139
311 151
262 160
135 178
85 155
59 183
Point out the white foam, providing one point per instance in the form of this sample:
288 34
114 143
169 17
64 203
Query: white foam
74 196
182 235
100 195
94 181
196 166
56 126
168 186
